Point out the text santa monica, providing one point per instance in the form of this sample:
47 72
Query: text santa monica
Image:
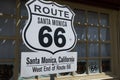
54 22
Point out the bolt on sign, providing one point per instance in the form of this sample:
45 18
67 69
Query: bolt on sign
49 32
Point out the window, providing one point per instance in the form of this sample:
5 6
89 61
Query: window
93 45
7 38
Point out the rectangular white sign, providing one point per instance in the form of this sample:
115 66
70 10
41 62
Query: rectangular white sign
41 63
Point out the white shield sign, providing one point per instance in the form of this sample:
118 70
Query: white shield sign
49 27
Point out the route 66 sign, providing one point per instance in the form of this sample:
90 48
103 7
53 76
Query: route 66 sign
49 27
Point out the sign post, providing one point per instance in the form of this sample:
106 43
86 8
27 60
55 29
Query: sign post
36 77
52 77
50 33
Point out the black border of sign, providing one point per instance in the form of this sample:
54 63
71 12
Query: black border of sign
36 49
